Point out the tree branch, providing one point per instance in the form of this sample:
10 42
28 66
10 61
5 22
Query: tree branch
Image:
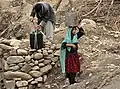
57 4
93 9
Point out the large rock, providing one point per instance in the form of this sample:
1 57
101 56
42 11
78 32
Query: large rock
15 42
21 83
39 79
55 59
51 55
36 68
58 46
53 47
11 75
5 47
32 64
35 73
41 64
41 60
45 53
14 68
39 51
21 64
38 56
33 83
50 51
30 80
13 52
10 84
6 66
27 58
36 62
57 53
90 26
44 78
47 62
5 41
15 59
26 68
45 69
22 52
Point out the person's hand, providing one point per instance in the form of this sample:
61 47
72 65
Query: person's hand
73 46
81 24
78 46
38 27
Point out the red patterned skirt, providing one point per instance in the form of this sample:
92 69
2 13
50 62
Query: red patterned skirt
72 63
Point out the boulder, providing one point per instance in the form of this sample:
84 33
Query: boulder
41 64
22 52
11 75
36 68
35 73
47 62
55 59
13 52
14 68
6 66
44 78
41 60
57 53
45 53
10 84
21 83
45 69
15 59
26 68
38 56
50 51
15 42
39 79
5 47
27 58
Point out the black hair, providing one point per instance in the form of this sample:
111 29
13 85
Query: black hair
38 8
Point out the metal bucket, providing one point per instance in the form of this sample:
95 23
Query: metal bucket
71 19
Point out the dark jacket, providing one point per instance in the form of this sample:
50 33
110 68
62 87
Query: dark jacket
43 11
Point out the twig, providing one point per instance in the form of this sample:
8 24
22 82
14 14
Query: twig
98 9
117 20
14 19
109 9
93 9
4 31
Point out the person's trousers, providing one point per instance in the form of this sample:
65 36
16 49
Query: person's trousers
47 28
71 77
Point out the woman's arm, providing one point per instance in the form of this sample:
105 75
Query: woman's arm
80 33
68 45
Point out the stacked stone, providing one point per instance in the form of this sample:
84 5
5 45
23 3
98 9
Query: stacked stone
26 70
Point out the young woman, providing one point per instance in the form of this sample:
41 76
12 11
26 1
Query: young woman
69 57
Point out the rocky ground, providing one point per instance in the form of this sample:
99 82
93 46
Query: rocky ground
99 47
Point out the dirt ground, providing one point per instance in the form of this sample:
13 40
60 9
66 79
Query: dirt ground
100 50
101 63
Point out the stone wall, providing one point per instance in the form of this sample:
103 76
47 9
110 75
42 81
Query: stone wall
27 70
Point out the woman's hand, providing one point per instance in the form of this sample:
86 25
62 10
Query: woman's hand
78 46
74 46
71 45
